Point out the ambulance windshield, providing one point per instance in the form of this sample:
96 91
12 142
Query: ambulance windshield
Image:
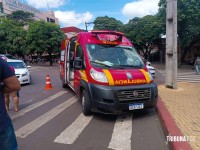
113 56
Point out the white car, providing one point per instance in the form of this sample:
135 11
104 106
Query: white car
21 70
150 68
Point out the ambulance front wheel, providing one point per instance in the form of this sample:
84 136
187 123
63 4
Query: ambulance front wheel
86 108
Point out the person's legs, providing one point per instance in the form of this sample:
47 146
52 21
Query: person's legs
16 100
197 69
7 100
8 139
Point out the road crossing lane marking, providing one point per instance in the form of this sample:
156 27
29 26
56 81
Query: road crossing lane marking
33 106
185 76
29 128
71 133
121 136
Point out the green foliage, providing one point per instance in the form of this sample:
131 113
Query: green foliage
107 23
143 31
40 37
188 15
17 41
5 27
12 33
21 18
44 37
12 37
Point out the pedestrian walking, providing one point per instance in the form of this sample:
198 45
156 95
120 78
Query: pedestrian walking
197 65
14 96
9 83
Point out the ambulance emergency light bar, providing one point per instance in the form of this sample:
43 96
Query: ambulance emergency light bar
109 37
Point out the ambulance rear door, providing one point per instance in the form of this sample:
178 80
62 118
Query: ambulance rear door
69 71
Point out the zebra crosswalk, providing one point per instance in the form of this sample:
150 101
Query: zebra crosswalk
184 76
120 136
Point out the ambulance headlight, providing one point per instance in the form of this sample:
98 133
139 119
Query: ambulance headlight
98 76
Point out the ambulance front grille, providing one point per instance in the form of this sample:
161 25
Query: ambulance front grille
134 95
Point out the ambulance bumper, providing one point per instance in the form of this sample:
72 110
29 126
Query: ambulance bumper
119 99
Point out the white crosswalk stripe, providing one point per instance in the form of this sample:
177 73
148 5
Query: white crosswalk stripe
71 133
38 122
36 105
121 137
184 76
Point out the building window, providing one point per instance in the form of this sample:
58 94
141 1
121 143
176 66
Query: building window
50 20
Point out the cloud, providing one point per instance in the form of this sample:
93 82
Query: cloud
65 18
47 3
71 18
140 8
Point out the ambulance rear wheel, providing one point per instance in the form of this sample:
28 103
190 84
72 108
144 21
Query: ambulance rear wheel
85 104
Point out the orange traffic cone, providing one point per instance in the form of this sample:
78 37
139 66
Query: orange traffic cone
48 83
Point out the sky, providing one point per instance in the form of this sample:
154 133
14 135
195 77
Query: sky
77 12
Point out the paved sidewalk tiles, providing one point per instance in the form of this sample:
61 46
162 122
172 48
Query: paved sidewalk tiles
179 110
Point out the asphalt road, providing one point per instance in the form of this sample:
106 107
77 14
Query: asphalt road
52 120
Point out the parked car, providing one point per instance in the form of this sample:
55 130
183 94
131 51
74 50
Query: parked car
21 70
151 69
7 56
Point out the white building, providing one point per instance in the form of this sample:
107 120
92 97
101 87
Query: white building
9 6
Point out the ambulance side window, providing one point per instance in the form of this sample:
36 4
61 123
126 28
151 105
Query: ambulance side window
79 51
72 49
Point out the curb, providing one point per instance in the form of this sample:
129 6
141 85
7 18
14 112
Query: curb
171 127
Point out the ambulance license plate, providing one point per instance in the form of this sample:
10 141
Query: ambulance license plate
136 106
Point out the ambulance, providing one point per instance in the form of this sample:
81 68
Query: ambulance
107 74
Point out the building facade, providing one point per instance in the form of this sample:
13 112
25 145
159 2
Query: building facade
9 6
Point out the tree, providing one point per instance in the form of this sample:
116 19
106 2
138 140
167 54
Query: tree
5 27
21 17
188 22
12 38
144 32
44 37
107 23
17 40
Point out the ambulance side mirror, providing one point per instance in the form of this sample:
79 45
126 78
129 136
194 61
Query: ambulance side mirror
78 63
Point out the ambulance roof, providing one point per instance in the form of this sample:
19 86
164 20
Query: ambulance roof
104 37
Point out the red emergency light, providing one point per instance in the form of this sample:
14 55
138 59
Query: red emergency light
108 37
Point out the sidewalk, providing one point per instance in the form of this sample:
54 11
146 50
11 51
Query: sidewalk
179 111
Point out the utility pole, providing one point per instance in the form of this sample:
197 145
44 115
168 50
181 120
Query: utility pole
171 45
87 24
